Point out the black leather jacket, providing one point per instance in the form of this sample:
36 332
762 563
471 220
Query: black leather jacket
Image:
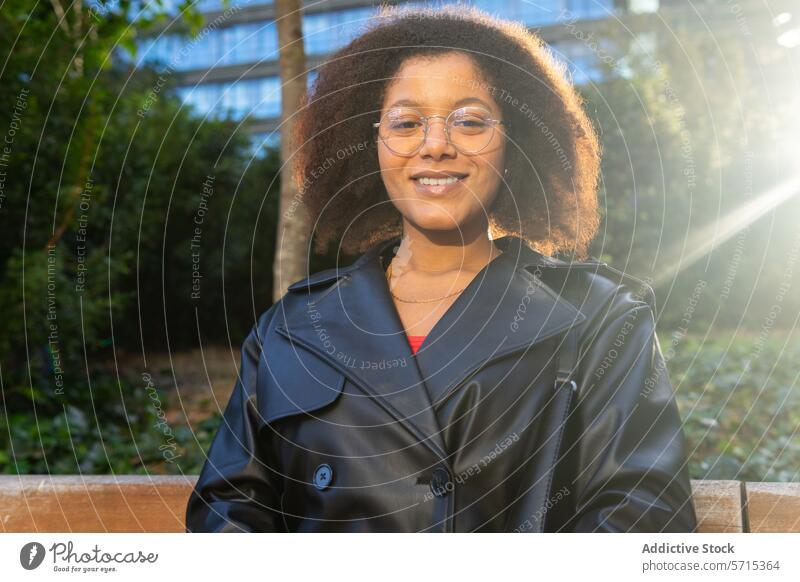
538 402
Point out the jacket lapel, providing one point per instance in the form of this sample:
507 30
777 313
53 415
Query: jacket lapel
355 327
506 308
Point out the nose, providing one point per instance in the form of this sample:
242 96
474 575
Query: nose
436 144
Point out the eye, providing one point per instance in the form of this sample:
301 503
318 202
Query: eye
402 121
404 124
471 120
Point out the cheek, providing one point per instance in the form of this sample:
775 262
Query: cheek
383 160
498 161
491 180
492 168
390 167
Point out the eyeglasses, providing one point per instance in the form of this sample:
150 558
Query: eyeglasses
470 129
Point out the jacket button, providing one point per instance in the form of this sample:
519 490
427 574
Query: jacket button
440 482
323 476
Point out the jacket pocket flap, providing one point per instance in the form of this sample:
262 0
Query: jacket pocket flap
292 381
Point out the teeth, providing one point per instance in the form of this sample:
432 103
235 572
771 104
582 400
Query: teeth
437 181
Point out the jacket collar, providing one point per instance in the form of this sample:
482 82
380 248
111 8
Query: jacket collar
354 325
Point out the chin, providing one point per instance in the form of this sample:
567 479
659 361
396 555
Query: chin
435 221
445 224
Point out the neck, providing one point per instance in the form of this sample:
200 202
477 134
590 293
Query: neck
443 251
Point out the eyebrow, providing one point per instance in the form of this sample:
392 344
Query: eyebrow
458 103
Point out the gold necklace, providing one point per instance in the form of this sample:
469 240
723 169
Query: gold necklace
389 279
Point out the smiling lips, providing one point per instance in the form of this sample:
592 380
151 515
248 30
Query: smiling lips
437 183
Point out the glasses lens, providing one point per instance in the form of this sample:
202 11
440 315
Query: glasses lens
402 130
471 128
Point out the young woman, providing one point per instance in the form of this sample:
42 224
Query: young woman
452 378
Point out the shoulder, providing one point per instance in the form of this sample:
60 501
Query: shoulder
298 296
615 304
597 289
313 288
318 280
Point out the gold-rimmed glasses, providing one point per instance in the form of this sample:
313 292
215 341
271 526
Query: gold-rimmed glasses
404 129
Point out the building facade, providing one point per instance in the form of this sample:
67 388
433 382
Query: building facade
230 67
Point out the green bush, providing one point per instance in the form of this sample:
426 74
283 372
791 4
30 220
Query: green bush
741 405
741 420
101 189
123 431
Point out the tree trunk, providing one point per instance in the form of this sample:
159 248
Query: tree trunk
291 262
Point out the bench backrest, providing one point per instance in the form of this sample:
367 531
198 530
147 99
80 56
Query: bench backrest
132 503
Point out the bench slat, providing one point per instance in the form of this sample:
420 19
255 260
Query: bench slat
773 507
125 503
133 503
718 505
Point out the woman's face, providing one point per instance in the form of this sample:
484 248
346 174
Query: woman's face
436 86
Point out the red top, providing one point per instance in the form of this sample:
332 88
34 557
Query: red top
415 341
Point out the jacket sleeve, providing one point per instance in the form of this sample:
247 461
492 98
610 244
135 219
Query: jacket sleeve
632 468
236 490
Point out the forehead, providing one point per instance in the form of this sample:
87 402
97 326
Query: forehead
442 81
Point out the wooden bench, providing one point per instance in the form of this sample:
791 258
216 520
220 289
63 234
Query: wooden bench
132 503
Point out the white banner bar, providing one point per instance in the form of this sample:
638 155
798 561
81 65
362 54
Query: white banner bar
399 557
